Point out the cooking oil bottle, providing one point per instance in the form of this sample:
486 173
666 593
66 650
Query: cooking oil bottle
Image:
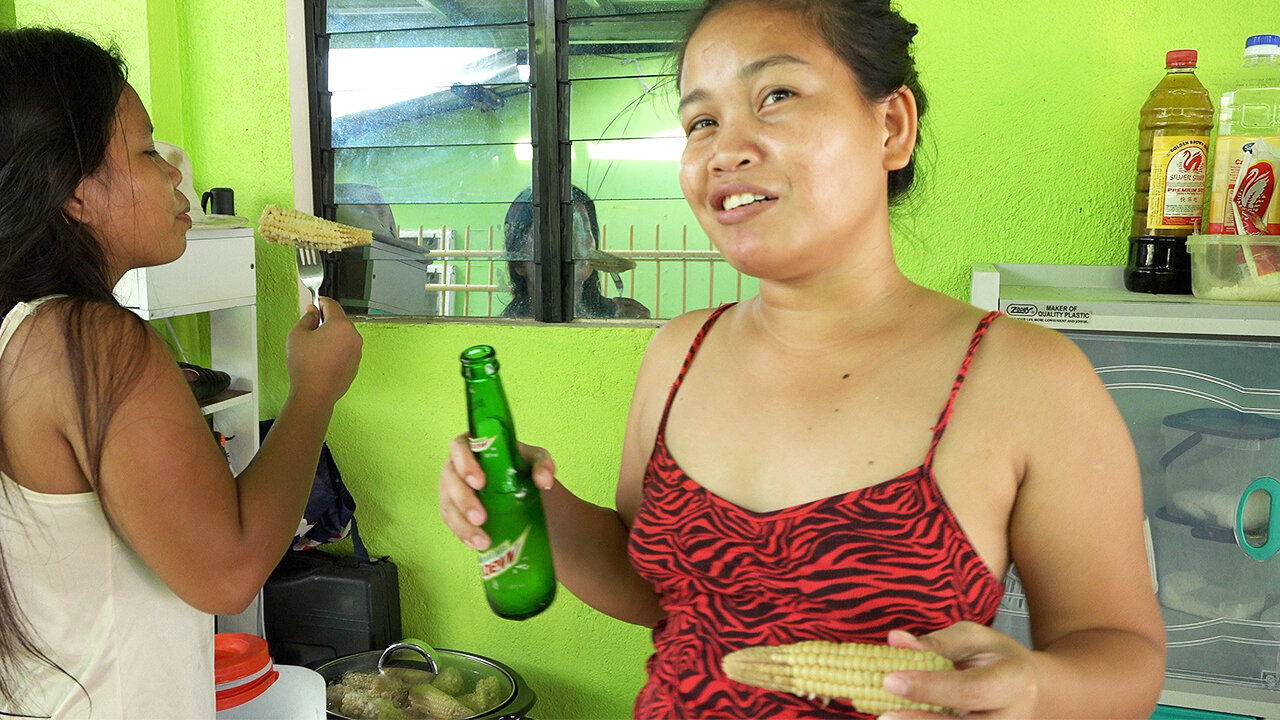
1250 109
1173 151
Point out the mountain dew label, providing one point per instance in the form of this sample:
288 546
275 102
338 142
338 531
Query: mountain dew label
503 556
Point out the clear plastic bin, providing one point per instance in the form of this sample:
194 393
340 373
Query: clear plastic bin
1235 267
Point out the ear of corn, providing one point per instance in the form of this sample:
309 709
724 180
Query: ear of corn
437 703
290 227
849 671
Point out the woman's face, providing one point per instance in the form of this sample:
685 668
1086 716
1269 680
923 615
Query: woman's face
785 160
132 202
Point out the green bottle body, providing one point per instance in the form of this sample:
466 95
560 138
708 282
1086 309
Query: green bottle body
516 570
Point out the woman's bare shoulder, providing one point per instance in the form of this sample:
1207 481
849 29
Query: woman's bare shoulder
670 344
1033 351
1040 373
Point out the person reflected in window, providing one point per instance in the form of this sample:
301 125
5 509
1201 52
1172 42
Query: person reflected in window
589 302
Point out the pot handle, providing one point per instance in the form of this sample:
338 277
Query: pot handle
382 659
1271 487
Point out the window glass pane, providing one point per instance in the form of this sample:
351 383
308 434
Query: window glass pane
357 15
429 87
428 259
592 8
448 174
641 107
430 130
644 40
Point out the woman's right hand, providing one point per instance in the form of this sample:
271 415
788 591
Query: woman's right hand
322 358
461 477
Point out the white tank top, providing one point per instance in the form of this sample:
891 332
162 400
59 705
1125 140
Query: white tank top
94 608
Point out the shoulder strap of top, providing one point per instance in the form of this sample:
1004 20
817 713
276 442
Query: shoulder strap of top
16 315
688 360
976 339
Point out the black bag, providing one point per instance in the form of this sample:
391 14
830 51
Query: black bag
317 606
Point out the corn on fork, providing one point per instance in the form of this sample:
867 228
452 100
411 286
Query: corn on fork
311 272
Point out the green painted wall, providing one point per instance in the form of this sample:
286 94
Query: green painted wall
1028 157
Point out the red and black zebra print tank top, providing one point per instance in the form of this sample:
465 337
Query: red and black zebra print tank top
846 568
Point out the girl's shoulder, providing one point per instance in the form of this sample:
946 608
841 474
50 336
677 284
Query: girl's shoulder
85 324
68 337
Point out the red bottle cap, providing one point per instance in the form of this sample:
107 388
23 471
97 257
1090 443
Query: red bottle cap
1180 58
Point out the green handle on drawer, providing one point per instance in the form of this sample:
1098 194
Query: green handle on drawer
1271 487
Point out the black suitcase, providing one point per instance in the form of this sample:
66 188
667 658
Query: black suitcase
317 606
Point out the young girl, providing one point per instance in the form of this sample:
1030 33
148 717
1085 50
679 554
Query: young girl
849 456
121 525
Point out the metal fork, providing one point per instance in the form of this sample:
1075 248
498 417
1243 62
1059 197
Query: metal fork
311 272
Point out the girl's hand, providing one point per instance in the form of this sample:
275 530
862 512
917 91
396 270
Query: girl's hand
322 359
994 676
461 477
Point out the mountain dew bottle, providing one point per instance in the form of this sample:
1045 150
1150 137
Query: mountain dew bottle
519 578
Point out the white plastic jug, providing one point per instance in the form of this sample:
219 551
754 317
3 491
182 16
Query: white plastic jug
250 687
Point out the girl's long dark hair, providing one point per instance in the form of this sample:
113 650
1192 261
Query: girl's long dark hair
59 95
516 233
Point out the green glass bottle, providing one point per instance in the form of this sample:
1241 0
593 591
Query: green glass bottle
519 578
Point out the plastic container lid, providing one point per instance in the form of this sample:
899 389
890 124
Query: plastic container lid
242 668
1180 58
1222 422
1262 46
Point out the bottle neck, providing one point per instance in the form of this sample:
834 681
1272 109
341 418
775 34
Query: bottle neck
1262 60
493 436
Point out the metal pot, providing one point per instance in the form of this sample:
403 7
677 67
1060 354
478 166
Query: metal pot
517 697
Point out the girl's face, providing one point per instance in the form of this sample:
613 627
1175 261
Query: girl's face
786 163
132 202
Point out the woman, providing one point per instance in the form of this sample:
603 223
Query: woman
902 464
121 524
589 302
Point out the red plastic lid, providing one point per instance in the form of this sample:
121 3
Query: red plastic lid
242 668
1180 58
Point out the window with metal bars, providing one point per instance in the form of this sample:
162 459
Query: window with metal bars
514 158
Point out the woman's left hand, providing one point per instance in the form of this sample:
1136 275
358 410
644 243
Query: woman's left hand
995 675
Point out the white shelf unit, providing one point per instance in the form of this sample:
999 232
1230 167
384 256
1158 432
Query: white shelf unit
1093 297
215 275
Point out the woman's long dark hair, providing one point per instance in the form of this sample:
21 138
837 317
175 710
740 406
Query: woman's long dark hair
59 95
872 39
516 233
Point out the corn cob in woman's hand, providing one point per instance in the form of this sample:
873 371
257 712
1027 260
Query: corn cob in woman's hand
291 227
849 671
